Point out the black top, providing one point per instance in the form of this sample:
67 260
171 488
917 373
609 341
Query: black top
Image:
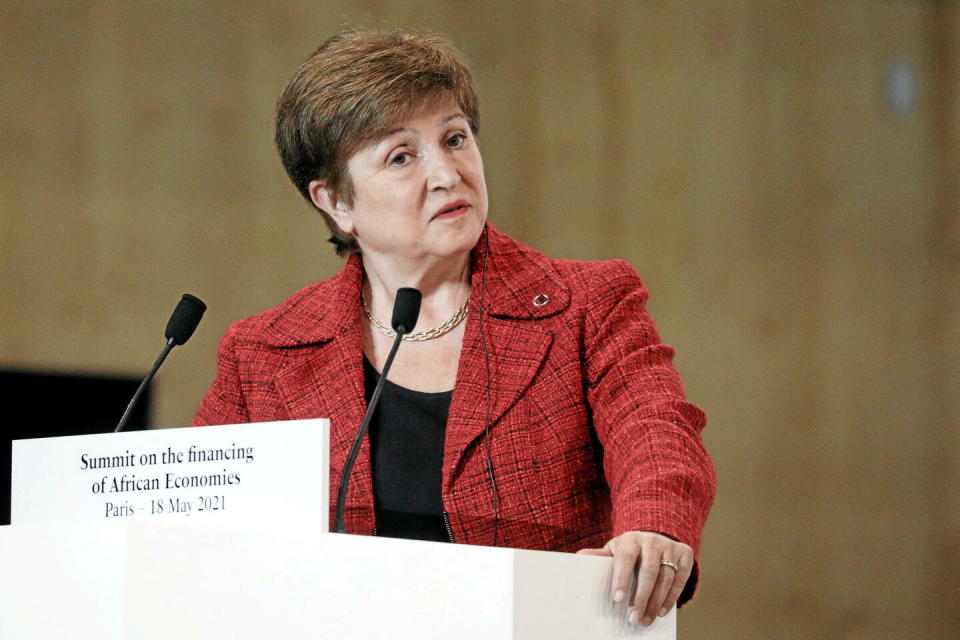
406 451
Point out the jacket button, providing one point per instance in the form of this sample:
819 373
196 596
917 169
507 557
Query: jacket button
540 300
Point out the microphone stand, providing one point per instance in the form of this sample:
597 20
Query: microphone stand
181 325
339 525
171 343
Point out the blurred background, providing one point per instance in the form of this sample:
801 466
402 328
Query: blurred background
782 174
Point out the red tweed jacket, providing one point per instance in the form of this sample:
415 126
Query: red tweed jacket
590 433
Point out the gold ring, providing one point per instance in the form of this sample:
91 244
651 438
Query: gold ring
672 565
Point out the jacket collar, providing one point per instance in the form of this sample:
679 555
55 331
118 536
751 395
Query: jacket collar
508 280
515 281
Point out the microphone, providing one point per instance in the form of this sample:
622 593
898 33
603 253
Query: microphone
184 319
406 310
183 322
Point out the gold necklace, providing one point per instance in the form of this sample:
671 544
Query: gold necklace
419 336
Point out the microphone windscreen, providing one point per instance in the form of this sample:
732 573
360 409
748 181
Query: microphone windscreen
184 319
406 310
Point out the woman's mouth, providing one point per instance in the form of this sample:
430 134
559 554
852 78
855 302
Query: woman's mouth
451 210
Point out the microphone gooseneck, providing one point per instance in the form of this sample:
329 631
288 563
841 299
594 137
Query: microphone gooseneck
406 310
183 322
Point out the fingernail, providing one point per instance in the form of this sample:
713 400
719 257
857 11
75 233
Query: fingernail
664 612
619 595
647 621
633 617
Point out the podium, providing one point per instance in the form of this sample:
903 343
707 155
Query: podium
148 580
285 576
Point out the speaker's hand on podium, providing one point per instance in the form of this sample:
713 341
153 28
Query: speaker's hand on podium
663 567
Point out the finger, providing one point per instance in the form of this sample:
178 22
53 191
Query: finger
664 584
594 552
624 560
646 579
679 582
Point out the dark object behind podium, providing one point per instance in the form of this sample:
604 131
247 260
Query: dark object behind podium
41 404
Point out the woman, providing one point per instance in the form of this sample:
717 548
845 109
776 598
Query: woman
551 418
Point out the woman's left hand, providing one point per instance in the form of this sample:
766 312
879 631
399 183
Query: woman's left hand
658 584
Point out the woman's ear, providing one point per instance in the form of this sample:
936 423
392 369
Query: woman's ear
325 198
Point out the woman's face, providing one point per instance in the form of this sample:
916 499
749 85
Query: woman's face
418 192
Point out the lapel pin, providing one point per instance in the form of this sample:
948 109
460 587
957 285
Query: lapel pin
540 300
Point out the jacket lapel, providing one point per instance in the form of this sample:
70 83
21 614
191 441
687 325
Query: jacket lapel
323 376
512 288
326 380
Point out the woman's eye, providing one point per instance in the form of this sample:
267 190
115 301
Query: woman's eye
399 159
457 140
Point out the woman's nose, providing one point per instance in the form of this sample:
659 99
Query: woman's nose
442 171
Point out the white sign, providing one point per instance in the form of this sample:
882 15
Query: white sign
244 472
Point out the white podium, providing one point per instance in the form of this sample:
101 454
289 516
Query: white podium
142 580
212 577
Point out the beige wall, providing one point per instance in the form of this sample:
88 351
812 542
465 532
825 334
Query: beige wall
800 239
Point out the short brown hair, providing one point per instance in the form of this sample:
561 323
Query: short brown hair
354 89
